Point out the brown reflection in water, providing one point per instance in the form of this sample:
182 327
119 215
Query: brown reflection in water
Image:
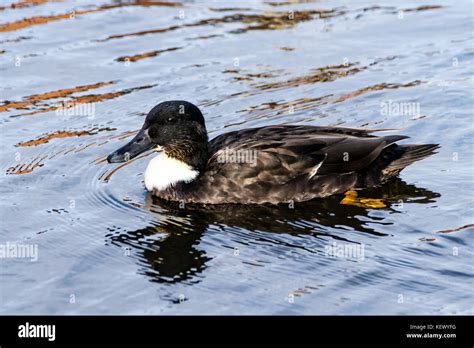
139 33
204 37
28 3
393 10
61 134
26 168
94 98
67 91
457 229
291 2
174 254
90 98
35 98
272 20
63 151
319 75
149 3
267 21
251 76
279 108
422 8
377 87
376 8
47 137
230 9
140 56
324 74
39 162
39 20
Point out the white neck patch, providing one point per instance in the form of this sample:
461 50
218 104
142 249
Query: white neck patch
163 172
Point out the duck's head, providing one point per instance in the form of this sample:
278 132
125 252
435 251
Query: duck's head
176 127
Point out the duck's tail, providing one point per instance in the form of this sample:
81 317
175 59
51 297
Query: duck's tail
409 155
393 159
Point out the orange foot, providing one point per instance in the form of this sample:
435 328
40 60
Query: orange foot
351 199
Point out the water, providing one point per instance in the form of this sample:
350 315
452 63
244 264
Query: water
105 247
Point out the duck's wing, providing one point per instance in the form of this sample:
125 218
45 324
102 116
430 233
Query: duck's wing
281 153
285 131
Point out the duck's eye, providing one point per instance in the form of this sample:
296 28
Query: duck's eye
169 119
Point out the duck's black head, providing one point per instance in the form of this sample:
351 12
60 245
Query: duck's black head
176 127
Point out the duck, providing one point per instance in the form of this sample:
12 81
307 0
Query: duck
275 164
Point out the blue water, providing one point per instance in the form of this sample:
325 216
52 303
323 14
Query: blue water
104 246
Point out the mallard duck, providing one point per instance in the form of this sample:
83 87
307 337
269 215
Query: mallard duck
271 164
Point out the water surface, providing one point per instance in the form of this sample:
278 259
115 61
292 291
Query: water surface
106 247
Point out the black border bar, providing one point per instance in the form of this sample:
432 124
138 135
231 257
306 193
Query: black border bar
223 330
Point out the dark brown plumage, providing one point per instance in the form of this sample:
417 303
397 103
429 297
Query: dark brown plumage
287 155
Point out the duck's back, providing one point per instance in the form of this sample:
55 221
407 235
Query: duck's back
281 164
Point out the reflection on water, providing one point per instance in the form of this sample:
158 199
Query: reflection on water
168 251
78 77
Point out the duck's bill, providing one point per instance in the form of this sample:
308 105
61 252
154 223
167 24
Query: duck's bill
139 144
